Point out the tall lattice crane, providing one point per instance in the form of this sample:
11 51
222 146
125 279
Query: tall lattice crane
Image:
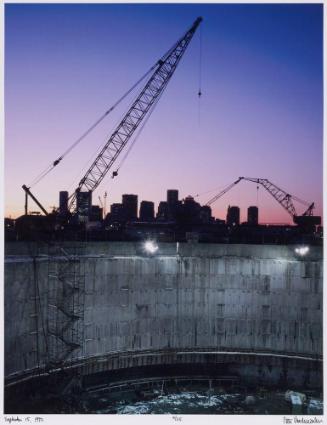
282 197
162 71
286 201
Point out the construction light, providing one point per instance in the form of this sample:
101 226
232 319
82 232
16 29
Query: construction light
302 250
151 247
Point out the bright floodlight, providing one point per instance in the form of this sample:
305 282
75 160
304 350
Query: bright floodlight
150 247
302 250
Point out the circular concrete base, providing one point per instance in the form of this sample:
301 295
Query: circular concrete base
270 370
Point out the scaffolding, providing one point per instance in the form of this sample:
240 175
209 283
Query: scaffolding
65 306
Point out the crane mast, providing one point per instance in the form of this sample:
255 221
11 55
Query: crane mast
163 71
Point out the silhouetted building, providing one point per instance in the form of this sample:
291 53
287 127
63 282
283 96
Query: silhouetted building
163 211
189 212
96 213
34 227
117 213
172 196
130 206
10 232
233 216
253 216
83 205
63 202
205 214
173 203
147 211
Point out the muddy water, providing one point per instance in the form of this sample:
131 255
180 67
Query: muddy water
193 400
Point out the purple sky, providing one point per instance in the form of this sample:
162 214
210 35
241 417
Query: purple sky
260 113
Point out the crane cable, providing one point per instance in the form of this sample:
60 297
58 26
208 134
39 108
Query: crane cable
220 188
301 201
200 76
58 160
92 127
91 158
115 173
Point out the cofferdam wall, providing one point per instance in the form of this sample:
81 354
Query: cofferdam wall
183 304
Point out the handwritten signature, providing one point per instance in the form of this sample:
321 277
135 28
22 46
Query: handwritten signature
301 420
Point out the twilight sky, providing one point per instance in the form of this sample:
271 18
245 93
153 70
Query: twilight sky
260 114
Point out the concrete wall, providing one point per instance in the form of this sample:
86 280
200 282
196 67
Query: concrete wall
188 297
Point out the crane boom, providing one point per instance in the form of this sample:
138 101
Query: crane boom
29 193
214 199
164 69
282 197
